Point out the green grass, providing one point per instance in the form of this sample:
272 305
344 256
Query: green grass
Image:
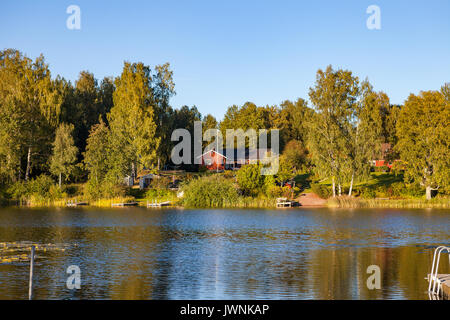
350 202
380 179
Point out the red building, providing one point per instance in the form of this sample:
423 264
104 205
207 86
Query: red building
213 160
235 158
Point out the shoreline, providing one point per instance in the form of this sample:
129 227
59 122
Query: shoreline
338 202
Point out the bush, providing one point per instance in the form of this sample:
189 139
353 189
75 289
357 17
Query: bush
381 169
106 189
160 182
159 194
40 187
414 190
250 180
17 191
321 190
367 193
210 191
274 191
398 189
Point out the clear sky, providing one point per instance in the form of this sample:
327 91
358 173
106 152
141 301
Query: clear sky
229 52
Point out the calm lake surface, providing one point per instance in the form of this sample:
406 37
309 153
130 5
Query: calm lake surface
138 253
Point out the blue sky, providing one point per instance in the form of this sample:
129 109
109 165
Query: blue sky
230 52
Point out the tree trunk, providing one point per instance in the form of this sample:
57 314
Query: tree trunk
428 192
27 172
133 173
334 188
351 186
340 189
60 180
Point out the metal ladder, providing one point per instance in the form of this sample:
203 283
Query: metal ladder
433 278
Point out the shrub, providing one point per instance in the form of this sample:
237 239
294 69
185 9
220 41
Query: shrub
414 190
159 194
17 191
209 191
40 187
55 192
160 183
367 193
321 190
106 189
250 180
274 191
381 169
398 189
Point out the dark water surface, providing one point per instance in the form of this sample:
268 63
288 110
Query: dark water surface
136 253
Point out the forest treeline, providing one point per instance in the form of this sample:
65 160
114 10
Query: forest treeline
95 132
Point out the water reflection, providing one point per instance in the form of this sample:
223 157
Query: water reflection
135 253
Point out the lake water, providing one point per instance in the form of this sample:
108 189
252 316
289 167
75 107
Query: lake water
138 253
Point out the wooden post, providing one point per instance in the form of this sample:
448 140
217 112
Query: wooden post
30 286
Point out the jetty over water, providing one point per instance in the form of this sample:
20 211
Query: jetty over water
156 204
124 204
285 203
76 204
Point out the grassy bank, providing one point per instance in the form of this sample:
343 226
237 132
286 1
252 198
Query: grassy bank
350 202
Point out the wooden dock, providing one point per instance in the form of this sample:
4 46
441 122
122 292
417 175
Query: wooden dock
76 204
124 204
445 285
158 205
285 203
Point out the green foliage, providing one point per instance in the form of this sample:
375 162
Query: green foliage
365 192
322 190
97 152
295 155
250 180
62 161
381 169
107 189
424 138
42 188
30 105
133 142
285 171
160 194
278 191
345 132
292 120
209 192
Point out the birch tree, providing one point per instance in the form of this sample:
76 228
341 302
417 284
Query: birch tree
64 157
134 142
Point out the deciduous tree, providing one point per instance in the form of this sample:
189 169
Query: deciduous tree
62 161
424 140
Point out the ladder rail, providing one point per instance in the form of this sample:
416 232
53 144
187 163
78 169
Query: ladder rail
433 279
